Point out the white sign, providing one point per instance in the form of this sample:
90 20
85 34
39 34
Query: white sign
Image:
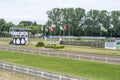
19 33
118 41
110 45
20 38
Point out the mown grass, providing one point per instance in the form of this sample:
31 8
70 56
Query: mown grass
91 70
92 50
34 41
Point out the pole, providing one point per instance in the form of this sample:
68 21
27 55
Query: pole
111 33
60 32
42 34
69 35
50 36
45 35
100 33
54 36
100 30
63 34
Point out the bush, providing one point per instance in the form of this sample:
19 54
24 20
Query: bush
40 44
11 42
54 47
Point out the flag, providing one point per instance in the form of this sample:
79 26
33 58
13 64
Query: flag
103 29
65 27
53 25
111 26
61 28
42 28
51 29
46 29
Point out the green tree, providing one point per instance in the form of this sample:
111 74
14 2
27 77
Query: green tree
25 23
2 26
9 24
34 29
81 22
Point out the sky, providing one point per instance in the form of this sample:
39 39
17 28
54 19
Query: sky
35 10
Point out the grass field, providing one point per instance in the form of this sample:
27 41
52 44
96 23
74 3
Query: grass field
91 70
92 50
33 42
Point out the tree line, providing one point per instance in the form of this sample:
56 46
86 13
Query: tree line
85 23
78 21
5 26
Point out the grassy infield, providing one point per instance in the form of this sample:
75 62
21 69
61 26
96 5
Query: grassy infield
91 70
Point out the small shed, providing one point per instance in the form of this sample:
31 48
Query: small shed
20 35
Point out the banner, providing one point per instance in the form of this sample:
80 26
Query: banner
110 45
61 28
103 29
65 28
51 29
118 43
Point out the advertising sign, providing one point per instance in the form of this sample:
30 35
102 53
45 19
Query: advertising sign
20 38
118 43
110 45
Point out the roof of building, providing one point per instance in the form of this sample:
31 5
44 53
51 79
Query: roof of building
16 28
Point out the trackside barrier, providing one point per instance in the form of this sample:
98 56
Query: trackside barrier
63 55
38 73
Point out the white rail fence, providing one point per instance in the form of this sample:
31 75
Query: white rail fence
35 72
63 55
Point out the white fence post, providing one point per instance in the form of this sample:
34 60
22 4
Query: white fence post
60 77
67 55
92 58
14 68
3 65
42 74
27 70
106 60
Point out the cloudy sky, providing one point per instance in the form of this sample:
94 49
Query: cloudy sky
35 10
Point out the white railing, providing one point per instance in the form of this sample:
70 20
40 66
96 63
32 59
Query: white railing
38 73
64 55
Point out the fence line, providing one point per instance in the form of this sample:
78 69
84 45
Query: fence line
64 55
38 73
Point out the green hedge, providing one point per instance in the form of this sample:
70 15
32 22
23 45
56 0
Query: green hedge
11 42
83 43
40 44
54 47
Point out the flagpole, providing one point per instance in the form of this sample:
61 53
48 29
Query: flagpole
50 36
60 32
45 35
63 34
100 33
41 39
42 33
54 36
111 32
72 33
69 35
